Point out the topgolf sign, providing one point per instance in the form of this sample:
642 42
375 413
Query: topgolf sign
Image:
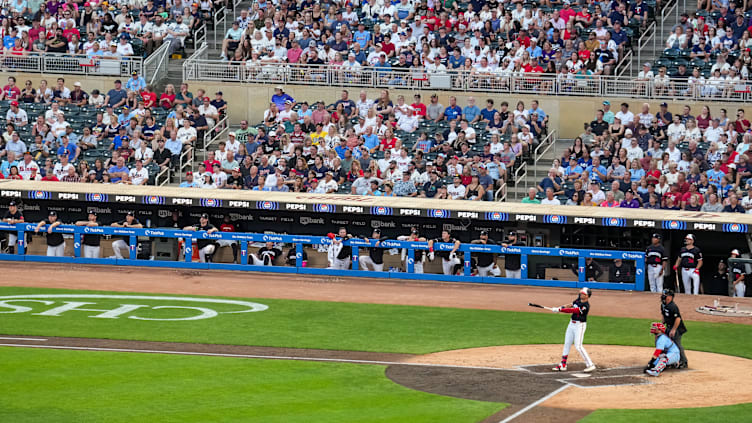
60 304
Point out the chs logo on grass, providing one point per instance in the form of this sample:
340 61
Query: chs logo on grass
155 200
56 305
97 198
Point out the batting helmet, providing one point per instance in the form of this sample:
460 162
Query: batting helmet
587 291
657 327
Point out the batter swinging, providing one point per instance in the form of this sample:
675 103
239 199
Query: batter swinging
576 330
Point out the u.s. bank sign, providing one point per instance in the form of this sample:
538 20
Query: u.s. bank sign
129 307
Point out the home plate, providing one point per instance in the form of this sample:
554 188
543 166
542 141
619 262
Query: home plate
580 375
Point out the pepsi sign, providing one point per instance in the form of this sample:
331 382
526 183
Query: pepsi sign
97 198
210 202
267 205
381 211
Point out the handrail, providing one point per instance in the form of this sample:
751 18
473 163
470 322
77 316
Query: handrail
643 41
501 193
164 173
624 64
63 63
201 52
220 16
199 35
211 135
186 161
549 142
235 4
665 12
158 60
496 82
519 178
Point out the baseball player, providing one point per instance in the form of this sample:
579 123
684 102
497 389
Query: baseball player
512 262
656 261
375 257
738 288
90 242
690 261
124 242
674 323
339 253
13 216
419 256
205 246
666 352
292 257
593 270
266 255
576 330
55 241
228 226
449 259
486 261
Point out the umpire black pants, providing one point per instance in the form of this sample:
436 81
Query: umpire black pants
677 339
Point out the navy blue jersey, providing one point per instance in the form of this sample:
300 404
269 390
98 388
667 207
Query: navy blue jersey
583 309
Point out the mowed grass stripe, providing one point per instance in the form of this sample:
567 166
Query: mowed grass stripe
80 386
362 327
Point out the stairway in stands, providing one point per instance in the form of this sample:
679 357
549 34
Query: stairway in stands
536 172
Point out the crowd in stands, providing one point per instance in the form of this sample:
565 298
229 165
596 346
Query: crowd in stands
127 135
670 160
707 54
376 146
490 40
99 29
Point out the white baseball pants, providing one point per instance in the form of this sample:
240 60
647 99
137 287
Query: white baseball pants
91 251
691 281
417 266
203 252
655 278
491 269
260 262
575 334
367 261
740 289
448 265
118 246
56 250
340 264
513 274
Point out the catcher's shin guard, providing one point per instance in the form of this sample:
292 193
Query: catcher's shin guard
660 365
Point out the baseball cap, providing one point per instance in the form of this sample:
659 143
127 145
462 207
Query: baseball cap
130 213
690 236
14 103
53 213
134 73
735 251
93 211
664 104
204 215
12 203
279 87
231 134
236 169
414 231
512 233
219 93
606 103
483 233
657 236
76 84
377 231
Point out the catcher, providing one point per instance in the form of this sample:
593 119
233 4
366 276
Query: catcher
666 352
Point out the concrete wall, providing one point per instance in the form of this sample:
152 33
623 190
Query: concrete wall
88 83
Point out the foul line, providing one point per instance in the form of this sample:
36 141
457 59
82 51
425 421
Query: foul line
24 339
269 357
524 410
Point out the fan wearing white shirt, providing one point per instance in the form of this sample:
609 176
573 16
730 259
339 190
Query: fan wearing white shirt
456 191
626 117
550 199
139 175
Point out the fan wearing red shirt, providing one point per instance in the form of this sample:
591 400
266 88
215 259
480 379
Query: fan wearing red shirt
388 48
567 12
731 159
430 20
17 49
48 177
420 108
583 55
583 18
10 91
741 124
68 33
523 38
210 161
388 143
149 97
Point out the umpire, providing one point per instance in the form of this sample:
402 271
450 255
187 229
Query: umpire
675 328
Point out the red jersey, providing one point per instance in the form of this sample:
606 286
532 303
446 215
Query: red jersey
420 108
150 99
11 93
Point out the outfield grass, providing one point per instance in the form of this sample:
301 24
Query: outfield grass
347 389
82 386
362 327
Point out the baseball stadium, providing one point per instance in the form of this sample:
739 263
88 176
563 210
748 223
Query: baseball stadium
375 211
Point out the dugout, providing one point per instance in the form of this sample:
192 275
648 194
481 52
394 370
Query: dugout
310 214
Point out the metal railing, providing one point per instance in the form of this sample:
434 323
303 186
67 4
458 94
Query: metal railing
220 17
156 65
546 144
235 4
186 163
501 193
667 10
466 81
220 128
642 42
60 63
163 177
200 54
520 175
199 36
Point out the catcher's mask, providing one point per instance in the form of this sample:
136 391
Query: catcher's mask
657 328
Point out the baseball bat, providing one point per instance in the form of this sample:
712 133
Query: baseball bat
676 274
539 306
